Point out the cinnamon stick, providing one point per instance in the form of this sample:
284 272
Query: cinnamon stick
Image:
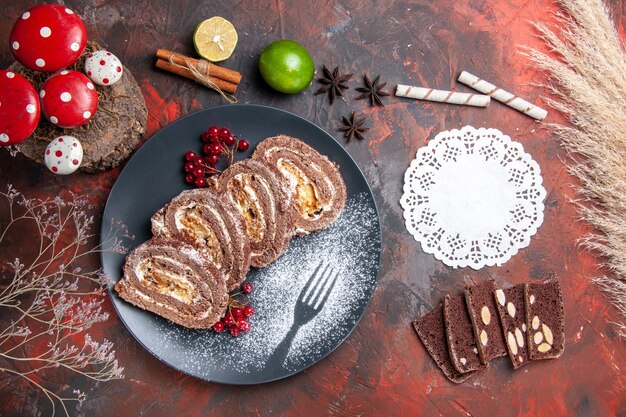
225 86
204 67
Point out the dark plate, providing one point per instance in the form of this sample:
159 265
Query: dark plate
352 246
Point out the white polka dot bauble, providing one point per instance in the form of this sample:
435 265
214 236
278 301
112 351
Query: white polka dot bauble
63 155
103 68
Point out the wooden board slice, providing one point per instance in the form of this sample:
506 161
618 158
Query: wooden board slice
110 136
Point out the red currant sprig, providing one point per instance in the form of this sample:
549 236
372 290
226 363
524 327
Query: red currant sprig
218 143
237 314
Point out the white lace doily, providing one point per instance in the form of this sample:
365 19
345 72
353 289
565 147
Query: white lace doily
473 197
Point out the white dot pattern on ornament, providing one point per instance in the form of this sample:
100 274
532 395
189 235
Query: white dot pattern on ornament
26 15
4 137
68 11
10 74
45 32
74 46
30 108
64 72
66 97
87 114
347 246
42 93
40 62
54 120
16 45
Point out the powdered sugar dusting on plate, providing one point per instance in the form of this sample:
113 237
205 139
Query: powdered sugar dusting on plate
351 246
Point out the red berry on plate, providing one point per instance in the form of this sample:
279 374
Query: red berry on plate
219 327
247 287
213 159
224 133
237 313
230 140
228 319
243 325
198 172
200 182
234 330
190 179
189 167
215 149
243 145
213 131
205 137
190 156
248 311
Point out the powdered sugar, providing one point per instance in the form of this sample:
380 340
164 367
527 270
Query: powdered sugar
351 246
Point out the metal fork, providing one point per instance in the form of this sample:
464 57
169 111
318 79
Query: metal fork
310 302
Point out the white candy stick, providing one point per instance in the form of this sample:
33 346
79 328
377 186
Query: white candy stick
442 96
505 97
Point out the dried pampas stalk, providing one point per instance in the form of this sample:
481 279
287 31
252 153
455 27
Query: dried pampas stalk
588 78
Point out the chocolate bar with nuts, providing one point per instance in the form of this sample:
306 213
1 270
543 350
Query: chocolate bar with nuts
544 315
484 314
511 310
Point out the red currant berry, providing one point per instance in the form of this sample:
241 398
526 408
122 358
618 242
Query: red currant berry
224 133
243 325
219 327
200 161
200 182
198 172
205 137
189 167
228 319
234 330
190 179
229 140
190 156
248 311
213 159
247 287
215 149
215 139
243 145
237 313
213 131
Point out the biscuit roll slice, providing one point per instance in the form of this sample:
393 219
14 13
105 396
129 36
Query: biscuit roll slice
173 281
211 223
545 319
315 183
260 194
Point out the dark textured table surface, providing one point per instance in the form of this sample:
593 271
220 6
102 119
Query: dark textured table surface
382 369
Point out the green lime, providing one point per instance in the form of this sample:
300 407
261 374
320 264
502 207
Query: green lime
286 66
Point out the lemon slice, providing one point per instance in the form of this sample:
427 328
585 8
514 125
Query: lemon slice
215 39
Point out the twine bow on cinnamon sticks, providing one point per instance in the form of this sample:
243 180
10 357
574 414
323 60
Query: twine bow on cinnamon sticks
223 80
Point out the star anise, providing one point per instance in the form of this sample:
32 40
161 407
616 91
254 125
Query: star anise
372 90
332 83
353 127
